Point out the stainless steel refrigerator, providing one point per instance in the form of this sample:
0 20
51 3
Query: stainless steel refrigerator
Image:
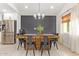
8 33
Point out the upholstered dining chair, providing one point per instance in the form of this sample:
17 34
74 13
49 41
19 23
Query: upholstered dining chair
30 44
39 38
21 40
56 40
45 45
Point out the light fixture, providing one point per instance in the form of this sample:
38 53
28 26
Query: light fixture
39 15
26 7
51 7
4 10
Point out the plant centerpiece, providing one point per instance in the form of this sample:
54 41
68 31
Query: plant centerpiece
39 28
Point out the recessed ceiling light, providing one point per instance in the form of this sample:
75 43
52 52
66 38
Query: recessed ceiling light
26 6
52 7
4 10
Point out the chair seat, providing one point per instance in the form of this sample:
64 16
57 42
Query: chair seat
31 46
44 47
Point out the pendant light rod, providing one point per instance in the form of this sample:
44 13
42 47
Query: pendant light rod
39 8
39 15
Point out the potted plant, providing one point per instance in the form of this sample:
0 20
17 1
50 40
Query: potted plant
39 28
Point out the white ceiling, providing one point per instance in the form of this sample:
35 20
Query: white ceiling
4 6
32 8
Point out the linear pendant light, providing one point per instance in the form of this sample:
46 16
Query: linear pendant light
39 15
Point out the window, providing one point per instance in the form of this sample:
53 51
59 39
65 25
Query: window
65 23
65 27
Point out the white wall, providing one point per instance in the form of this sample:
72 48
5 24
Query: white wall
0 20
74 29
63 12
70 39
65 38
18 23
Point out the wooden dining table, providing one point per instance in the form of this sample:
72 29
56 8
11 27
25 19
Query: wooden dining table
37 38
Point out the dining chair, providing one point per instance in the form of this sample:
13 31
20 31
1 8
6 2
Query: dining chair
21 40
56 40
30 44
45 45
39 38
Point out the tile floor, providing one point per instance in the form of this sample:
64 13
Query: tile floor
11 50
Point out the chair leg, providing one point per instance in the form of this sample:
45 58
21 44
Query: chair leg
25 45
56 45
26 52
20 44
18 47
41 52
50 44
33 52
48 52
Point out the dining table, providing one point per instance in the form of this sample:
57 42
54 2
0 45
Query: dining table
37 38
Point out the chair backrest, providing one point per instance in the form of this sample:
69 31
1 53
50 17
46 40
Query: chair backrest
45 41
57 34
29 40
21 31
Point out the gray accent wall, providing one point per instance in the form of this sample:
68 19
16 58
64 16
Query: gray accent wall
29 22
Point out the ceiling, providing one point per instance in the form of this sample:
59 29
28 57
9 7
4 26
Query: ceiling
33 8
5 6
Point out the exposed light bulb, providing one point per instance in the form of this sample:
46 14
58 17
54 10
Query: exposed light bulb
39 17
43 15
39 14
35 16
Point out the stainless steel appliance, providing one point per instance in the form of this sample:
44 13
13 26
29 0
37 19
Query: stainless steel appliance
9 32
